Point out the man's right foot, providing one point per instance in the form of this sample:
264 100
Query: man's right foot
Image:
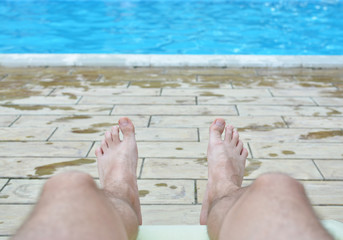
226 162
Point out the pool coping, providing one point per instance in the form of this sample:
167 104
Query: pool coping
152 60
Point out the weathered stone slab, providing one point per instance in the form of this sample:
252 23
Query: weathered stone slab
206 121
142 134
166 191
5 121
44 149
101 91
180 100
47 167
330 212
256 100
297 150
314 122
3 182
173 110
150 191
283 135
170 149
175 168
25 134
331 169
312 92
55 109
91 122
324 192
50 100
249 110
12 216
298 169
329 101
216 92
171 214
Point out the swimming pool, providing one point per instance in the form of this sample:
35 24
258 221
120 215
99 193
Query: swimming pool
172 27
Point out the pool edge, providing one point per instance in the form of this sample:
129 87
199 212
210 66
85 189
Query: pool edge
147 60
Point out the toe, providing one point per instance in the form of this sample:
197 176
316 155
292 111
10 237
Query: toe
108 139
98 152
244 153
217 129
239 146
115 134
104 146
127 128
235 137
228 133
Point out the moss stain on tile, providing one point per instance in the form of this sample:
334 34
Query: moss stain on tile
161 185
51 168
253 165
288 152
322 134
143 193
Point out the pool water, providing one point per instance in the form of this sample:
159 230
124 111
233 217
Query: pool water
172 27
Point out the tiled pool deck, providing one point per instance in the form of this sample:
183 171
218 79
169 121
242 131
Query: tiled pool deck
291 120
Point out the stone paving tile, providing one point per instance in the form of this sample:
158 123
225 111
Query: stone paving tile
26 167
55 109
25 134
179 84
42 100
284 135
44 149
168 149
166 191
142 134
331 169
256 100
173 110
324 192
171 214
5 121
297 150
90 100
210 71
299 71
77 121
206 121
313 92
3 182
216 92
319 192
150 191
314 122
298 169
108 91
326 101
175 168
249 110
330 212
12 216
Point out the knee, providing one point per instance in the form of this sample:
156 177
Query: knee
68 180
279 181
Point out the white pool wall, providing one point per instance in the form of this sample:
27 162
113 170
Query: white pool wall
147 60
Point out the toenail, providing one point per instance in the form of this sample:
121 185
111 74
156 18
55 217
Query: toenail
123 122
220 122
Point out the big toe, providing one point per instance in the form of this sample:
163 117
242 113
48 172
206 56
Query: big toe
217 129
127 128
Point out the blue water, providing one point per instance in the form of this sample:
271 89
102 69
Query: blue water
172 27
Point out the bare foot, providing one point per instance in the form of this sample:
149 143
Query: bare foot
226 162
117 164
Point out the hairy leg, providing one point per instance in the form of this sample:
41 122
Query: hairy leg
275 206
72 207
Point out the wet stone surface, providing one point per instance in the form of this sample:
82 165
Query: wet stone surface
52 119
